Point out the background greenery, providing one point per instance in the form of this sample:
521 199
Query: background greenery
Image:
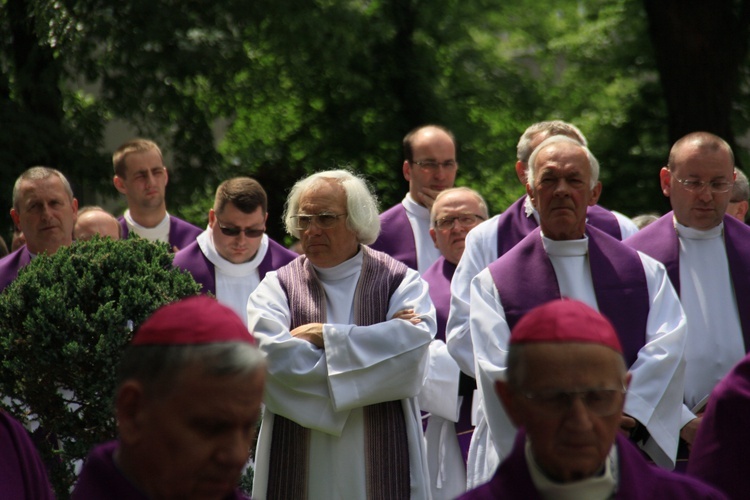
294 86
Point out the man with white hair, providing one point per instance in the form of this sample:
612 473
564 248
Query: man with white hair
346 332
566 257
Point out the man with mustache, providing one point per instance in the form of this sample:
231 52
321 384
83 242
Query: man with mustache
566 257
707 256
141 176
234 254
45 210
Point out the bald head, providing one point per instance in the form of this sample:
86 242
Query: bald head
94 220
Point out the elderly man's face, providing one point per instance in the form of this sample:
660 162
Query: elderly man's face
456 206
561 192
572 443
240 247
702 208
45 215
193 442
327 247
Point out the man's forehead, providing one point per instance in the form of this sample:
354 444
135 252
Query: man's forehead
324 195
454 205
37 188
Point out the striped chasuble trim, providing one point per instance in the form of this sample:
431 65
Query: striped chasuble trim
386 449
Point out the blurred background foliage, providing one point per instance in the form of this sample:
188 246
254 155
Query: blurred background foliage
276 89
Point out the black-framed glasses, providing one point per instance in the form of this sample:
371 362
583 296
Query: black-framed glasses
695 186
433 165
323 220
601 402
464 220
235 231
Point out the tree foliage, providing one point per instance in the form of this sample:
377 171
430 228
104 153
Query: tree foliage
64 323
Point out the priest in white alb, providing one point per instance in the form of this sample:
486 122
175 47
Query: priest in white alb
346 331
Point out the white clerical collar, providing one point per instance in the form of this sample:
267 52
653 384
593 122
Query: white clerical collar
415 208
566 248
343 270
159 232
602 486
698 234
206 244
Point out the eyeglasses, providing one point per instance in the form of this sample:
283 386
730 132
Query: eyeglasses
323 220
235 231
433 165
697 186
601 402
464 220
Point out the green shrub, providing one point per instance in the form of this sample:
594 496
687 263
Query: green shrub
64 323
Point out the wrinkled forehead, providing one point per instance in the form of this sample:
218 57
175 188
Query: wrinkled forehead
563 155
323 195
42 189
455 204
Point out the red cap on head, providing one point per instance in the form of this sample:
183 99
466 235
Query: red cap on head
565 320
194 320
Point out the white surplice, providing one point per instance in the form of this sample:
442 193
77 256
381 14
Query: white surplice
325 390
419 219
655 394
234 282
715 343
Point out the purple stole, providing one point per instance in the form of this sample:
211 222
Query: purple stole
181 233
638 480
439 276
11 264
387 453
192 259
513 225
22 472
525 278
721 444
396 236
660 241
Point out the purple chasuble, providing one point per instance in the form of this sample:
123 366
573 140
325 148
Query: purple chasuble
719 453
22 473
11 264
439 276
660 241
513 225
181 233
191 258
101 479
637 479
396 236
525 278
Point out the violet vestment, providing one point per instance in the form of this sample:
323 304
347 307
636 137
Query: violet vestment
101 479
719 453
192 259
11 264
22 472
637 479
181 233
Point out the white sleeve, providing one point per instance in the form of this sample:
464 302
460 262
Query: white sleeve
439 394
382 362
490 334
627 226
658 374
479 252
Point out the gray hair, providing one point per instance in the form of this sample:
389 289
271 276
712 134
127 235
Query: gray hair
361 203
593 162
549 128
461 189
741 189
38 174
158 366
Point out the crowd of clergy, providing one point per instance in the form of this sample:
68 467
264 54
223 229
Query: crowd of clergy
555 350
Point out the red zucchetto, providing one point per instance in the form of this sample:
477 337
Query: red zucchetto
565 320
194 320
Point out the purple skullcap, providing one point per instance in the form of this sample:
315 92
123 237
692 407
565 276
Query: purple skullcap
565 320
194 320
